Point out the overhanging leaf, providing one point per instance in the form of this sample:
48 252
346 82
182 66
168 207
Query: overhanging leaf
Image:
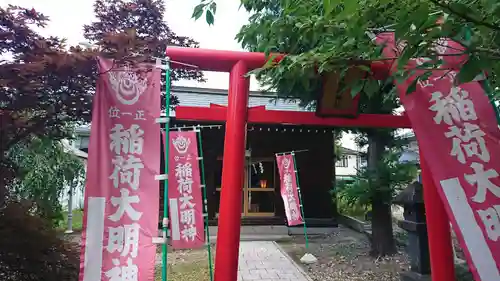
329 6
209 17
371 87
463 9
469 70
213 7
356 87
412 87
198 11
269 62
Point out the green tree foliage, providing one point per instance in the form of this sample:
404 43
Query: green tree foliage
337 146
391 178
271 30
207 7
46 168
326 36
335 34
375 187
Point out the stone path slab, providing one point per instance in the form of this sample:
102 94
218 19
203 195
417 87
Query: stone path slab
264 261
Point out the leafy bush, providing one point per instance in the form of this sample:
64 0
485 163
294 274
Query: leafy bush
30 249
391 178
44 170
352 210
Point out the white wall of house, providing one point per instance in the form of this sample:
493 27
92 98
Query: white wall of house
413 145
347 165
78 196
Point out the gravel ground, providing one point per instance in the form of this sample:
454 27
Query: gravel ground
402 236
343 256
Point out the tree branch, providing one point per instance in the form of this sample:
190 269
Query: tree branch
488 50
27 131
465 16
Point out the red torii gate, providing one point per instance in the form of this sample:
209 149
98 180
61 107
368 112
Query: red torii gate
237 115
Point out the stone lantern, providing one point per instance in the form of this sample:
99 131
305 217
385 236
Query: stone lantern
411 198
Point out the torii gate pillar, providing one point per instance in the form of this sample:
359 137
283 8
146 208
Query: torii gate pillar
228 234
438 228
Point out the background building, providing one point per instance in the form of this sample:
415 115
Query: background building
348 164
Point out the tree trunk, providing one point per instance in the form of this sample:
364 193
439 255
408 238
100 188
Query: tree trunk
382 237
3 193
4 179
7 175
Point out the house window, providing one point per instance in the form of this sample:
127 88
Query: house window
84 143
342 162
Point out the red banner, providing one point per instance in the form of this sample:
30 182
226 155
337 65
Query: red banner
185 200
289 189
121 193
457 130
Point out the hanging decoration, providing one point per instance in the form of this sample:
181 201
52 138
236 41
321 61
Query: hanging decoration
254 169
260 166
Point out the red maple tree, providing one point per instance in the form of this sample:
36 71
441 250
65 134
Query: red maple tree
146 18
46 84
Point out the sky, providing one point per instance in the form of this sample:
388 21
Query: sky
68 17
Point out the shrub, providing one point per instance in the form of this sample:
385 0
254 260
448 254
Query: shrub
44 170
352 210
30 249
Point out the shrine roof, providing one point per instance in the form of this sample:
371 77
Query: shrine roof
203 97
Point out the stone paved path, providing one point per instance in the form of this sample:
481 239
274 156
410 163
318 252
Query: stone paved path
264 261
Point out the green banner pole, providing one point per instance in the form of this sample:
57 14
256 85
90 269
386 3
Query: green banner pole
205 203
165 183
300 198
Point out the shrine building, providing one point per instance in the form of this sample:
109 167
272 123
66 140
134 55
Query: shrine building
261 200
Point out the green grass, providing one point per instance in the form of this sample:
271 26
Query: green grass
186 265
77 220
195 271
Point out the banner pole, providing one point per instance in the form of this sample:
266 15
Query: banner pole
205 203
307 258
165 183
300 198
